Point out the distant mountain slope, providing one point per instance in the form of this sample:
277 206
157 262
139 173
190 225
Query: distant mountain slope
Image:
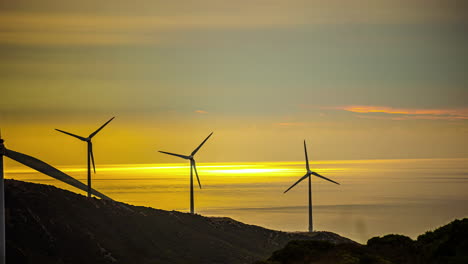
50 225
445 245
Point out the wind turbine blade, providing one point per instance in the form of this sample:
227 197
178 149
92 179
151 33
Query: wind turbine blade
301 179
196 173
99 129
306 158
177 155
92 155
325 178
196 150
50 171
70 134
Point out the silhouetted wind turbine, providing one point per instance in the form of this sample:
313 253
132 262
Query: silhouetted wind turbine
307 175
193 166
41 167
90 150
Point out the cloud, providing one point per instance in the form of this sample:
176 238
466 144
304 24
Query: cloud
412 117
406 113
201 112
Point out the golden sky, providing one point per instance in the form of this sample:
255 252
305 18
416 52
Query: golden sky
356 79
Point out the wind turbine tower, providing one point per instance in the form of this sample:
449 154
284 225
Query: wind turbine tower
90 150
307 175
193 167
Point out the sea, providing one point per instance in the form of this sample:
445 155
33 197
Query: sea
374 198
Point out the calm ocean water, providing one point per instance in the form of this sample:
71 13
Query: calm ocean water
376 197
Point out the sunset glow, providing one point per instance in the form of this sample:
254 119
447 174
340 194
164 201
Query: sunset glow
377 89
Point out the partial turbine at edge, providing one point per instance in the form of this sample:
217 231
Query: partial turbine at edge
51 171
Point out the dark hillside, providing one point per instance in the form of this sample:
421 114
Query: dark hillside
50 225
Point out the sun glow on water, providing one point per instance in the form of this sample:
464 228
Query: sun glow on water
258 169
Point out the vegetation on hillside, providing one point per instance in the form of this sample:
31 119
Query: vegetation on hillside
445 245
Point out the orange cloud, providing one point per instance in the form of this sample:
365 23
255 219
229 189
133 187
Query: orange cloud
413 117
407 113
201 112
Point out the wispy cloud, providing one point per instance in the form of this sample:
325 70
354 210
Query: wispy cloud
201 112
406 113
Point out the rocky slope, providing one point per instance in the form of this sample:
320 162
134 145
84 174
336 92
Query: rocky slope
45 224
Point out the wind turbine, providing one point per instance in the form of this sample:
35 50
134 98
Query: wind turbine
41 167
193 167
90 150
307 175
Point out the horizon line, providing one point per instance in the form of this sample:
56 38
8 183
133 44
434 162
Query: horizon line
175 165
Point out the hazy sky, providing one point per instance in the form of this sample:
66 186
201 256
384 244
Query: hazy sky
357 79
